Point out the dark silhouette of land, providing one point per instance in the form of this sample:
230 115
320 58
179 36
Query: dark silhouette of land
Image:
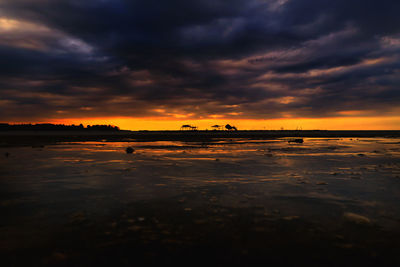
55 127
26 134
187 131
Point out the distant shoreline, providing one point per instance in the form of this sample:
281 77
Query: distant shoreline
22 138
309 133
212 133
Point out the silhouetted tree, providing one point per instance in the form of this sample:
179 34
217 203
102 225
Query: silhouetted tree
217 127
230 128
188 127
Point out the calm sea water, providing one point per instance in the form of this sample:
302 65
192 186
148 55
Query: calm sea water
75 203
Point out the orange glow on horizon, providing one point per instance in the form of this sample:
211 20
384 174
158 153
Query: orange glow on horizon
334 123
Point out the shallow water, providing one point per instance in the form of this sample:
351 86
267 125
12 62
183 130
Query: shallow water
234 201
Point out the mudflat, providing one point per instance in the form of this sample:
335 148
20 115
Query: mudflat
241 198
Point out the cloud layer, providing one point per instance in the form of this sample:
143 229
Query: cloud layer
198 59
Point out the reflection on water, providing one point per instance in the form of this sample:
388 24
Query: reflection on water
177 194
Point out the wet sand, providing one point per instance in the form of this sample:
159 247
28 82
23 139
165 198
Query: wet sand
217 201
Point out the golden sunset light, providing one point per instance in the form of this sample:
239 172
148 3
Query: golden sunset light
338 123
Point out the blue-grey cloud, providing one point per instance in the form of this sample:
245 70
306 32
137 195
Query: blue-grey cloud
240 58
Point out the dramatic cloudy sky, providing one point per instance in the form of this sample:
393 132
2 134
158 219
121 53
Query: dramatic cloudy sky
212 60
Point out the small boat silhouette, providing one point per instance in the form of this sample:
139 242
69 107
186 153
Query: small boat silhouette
297 140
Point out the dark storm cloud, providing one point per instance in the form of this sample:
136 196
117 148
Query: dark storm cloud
246 58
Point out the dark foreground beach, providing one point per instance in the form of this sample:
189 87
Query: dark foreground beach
247 198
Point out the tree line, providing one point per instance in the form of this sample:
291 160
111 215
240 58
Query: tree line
56 127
